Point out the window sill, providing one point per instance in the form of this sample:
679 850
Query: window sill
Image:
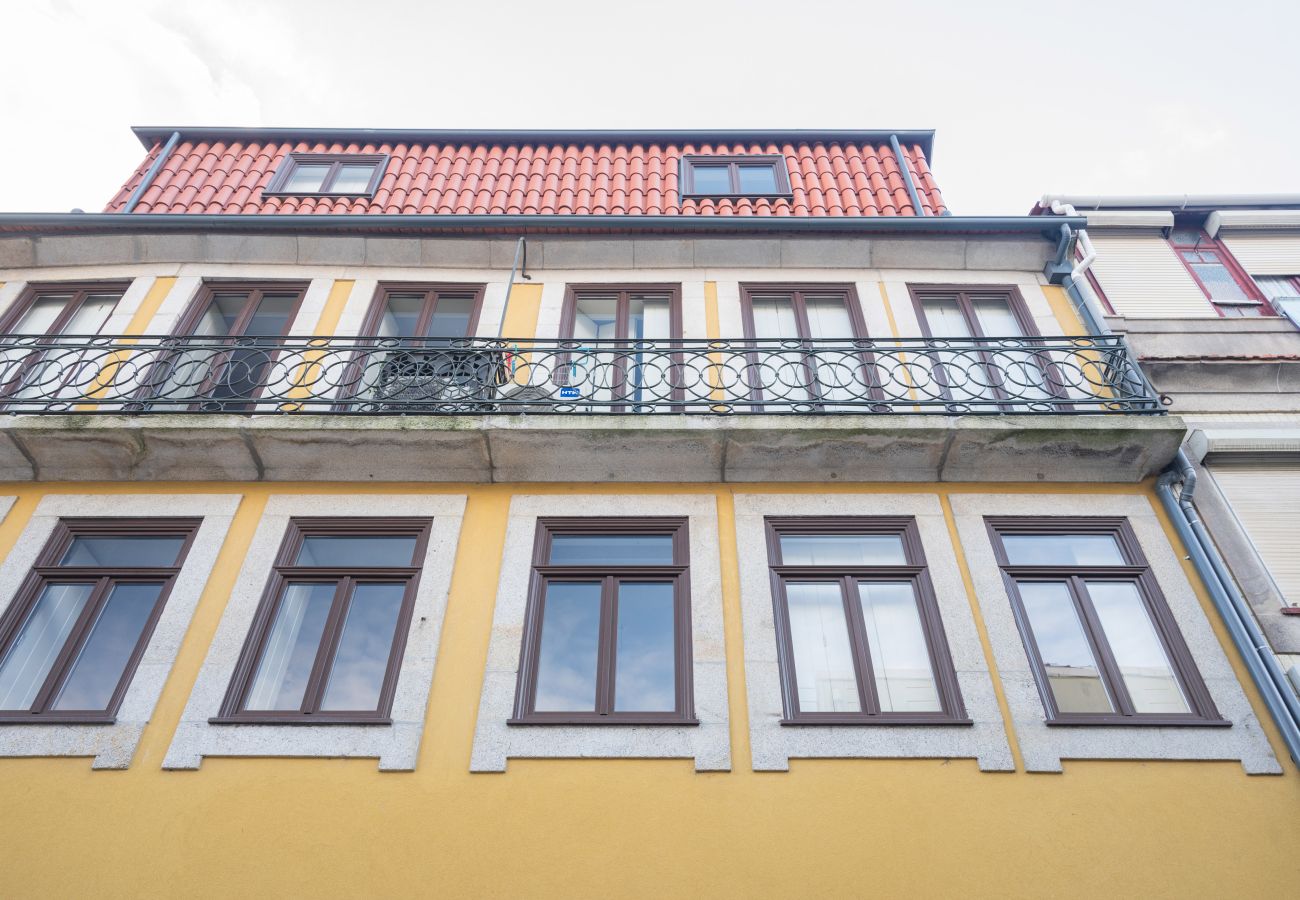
737 196
876 720
363 195
34 719
1139 721
296 720
603 720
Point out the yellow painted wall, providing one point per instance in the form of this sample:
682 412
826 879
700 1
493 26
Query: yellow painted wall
614 828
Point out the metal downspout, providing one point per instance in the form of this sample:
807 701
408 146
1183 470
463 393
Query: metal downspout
521 250
906 168
153 172
1282 702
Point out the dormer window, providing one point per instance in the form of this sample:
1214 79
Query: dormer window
328 174
734 176
1217 274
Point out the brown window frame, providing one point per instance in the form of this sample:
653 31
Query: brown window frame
1136 571
620 363
780 168
919 293
569 311
283 571
184 332
953 709
46 570
355 374
80 291
797 291
678 573
276 186
433 292
254 288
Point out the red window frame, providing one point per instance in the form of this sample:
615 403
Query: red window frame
1206 244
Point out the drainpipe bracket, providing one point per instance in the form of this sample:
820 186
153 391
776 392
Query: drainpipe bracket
1056 272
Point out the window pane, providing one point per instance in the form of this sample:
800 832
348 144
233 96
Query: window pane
451 317
945 319
306 179
361 661
842 550
645 671
1275 286
612 549
290 651
595 318
774 318
351 550
711 179
900 658
219 318
1138 652
756 179
1062 550
27 664
401 315
41 314
648 318
1186 236
1218 281
1072 673
272 316
828 317
124 551
823 661
566 665
112 640
996 318
353 179
91 315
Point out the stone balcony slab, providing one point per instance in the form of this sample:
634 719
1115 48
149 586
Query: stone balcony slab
587 448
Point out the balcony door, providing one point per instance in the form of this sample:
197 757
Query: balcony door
420 354
802 347
619 352
228 345
992 356
43 357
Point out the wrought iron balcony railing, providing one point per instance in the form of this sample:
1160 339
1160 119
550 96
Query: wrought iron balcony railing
394 376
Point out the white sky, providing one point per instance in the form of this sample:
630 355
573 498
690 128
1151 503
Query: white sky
1027 97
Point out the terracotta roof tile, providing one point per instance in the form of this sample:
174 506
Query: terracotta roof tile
826 179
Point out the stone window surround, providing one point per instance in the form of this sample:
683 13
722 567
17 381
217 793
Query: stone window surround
773 745
113 746
1043 747
708 743
397 745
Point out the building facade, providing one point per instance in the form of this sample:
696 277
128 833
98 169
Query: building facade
596 514
1205 289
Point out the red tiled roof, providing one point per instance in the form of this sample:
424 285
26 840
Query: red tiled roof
831 178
